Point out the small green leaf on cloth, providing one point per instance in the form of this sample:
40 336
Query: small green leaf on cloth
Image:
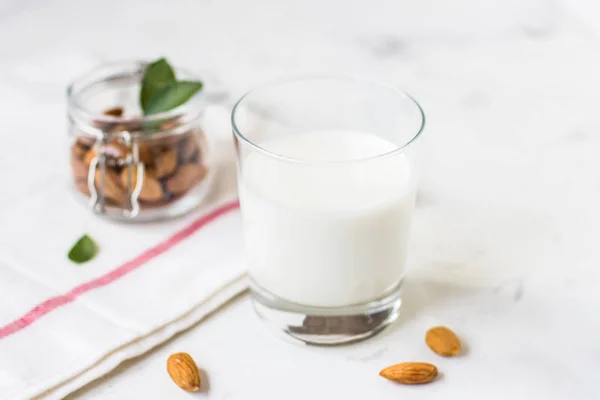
83 250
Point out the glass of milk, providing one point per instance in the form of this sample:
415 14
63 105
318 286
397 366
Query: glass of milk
327 188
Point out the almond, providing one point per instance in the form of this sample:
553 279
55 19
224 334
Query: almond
85 141
183 371
78 150
151 188
410 373
165 140
166 163
114 112
89 156
145 153
112 185
442 341
78 167
185 177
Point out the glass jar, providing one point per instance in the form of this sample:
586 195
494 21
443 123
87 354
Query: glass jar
133 167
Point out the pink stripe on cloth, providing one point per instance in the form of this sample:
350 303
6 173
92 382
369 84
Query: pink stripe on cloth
58 301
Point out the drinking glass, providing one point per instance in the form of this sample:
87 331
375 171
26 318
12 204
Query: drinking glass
327 183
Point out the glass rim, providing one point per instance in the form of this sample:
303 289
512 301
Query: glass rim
271 84
75 105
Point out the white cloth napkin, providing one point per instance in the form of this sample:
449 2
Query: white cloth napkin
63 325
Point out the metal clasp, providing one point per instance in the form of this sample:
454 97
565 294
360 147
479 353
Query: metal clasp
131 208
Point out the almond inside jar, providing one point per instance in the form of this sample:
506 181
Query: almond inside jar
173 164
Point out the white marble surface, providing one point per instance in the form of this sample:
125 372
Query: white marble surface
506 235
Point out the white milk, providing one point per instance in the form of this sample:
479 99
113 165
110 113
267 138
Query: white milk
327 233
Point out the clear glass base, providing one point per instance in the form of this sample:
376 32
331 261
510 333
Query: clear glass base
327 326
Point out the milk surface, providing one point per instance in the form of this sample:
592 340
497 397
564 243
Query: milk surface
327 231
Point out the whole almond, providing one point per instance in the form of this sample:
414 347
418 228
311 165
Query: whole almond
184 178
114 112
145 153
410 373
442 341
183 371
78 150
166 163
112 185
151 188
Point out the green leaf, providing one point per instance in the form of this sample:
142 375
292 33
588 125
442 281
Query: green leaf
171 96
83 250
156 76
